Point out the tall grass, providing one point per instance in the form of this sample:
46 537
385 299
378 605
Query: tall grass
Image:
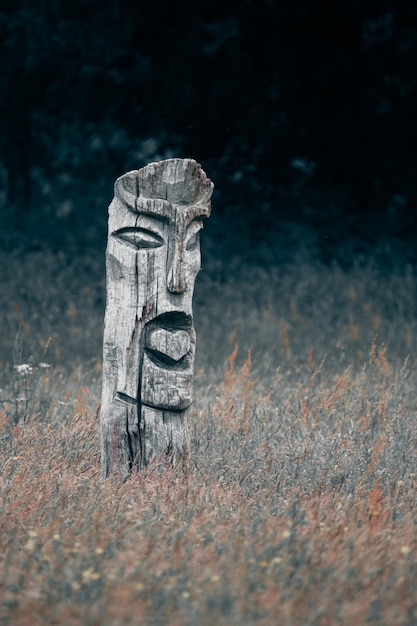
298 505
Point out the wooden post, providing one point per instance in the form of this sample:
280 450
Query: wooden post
152 259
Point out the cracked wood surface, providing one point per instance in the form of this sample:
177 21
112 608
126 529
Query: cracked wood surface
152 260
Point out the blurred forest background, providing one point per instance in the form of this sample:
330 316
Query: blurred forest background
303 114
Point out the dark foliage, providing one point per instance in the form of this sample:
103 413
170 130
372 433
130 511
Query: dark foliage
300 105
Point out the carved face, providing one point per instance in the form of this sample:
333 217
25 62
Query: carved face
153 257
153 261
169 247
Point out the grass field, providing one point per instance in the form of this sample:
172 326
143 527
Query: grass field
298 505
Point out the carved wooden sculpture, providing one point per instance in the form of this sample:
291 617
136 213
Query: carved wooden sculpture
152 259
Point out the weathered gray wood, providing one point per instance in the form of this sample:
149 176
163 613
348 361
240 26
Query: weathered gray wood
152 259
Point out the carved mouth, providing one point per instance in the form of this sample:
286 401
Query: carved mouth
173 320
168 340
167 367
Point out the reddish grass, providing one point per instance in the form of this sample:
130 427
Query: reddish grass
298 507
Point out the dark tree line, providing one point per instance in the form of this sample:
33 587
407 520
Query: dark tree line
269 95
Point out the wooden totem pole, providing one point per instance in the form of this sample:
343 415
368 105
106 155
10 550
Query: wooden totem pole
152 259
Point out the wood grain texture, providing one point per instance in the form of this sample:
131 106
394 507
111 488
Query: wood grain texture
152 260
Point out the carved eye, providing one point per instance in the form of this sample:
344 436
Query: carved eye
139 238
194 240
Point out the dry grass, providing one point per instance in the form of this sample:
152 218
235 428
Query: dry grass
298 506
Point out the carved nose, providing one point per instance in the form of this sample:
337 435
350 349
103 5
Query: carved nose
176 279
176 284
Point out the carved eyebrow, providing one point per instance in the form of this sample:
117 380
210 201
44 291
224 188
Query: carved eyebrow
163 208
195 225
155 216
